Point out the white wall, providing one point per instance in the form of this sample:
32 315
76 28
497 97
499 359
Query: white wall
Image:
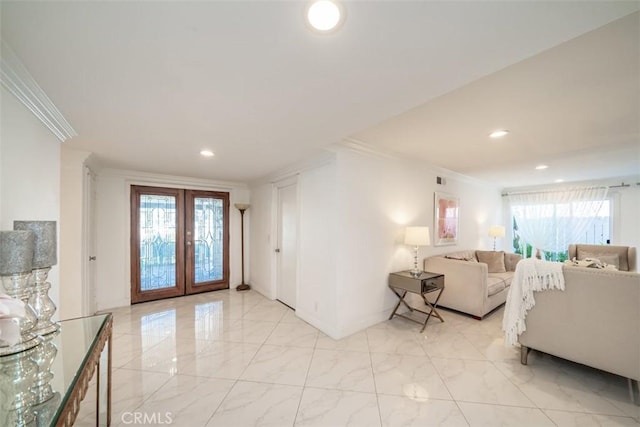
260 266
626 217
71 233
316 260
378 197
318 248
353 211
113 278
29 172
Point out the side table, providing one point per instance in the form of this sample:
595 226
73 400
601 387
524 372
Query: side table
426 283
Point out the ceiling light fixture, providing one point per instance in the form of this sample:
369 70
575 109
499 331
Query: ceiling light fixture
541 167
498 133
559 180
206 153
325 15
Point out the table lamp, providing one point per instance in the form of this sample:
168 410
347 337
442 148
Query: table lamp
496 231
416 236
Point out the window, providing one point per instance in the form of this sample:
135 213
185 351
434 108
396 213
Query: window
558 222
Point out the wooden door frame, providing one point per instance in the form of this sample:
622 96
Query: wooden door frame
214 285
136 294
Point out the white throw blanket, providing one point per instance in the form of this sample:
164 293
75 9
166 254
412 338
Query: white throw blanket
531 275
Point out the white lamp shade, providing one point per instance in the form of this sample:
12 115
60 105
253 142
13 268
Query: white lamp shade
496 231
417 236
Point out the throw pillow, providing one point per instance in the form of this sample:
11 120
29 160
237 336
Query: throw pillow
494 260
511 260
611 259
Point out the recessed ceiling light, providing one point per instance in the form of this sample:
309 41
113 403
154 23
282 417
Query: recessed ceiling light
324 15
498 133
206 153
559 180
541 167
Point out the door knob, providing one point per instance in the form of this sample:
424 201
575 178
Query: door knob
92 258
278 250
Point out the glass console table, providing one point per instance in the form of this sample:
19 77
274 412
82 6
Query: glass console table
44 386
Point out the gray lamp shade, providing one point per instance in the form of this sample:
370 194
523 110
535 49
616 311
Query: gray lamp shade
16 252
46 250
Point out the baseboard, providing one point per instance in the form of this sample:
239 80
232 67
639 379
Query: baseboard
113 305
356 326
320 324
265 291
362 324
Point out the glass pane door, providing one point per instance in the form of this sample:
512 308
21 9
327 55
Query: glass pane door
207 234
157 240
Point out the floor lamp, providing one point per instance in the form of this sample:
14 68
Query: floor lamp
242 207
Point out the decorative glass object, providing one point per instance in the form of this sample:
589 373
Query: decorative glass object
44 355
45 411
44 257
17 375
16 261
41 302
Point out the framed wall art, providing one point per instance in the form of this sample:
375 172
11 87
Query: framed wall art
446 219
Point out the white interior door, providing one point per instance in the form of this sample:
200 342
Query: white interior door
89 243
287 245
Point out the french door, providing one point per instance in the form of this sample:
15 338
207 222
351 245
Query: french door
179 242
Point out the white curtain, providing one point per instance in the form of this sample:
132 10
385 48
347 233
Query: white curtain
552 220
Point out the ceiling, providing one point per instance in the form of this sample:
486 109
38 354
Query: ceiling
574 108
147 85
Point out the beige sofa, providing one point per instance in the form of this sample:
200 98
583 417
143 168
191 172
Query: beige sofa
469 287
595 321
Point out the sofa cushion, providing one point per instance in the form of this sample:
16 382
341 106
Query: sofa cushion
506 277
494 260
611 259
599 251
494 285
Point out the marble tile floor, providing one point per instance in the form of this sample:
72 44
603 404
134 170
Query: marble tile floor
232 358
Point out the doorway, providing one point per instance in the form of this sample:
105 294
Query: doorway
179 242
287 244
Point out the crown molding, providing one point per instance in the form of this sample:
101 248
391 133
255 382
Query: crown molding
16 78
170 180
365 148
319 159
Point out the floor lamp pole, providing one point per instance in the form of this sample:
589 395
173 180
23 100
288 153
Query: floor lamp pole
242 207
